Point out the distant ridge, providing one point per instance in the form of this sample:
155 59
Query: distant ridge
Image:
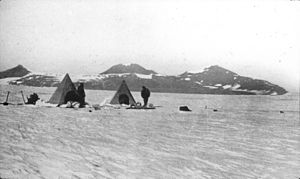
216 77
211 80
131 68
17 71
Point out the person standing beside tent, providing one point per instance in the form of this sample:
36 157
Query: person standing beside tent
81 94
145 93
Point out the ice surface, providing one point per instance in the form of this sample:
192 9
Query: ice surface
198 71
236 86
159 74
144 76
227 86
246 138
195 71
211 87
5 81
274 93
127 64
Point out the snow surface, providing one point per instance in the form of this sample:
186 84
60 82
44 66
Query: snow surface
198 71
227 86
211 87
246 138
86 77
274 93
127 64
5 81
144 76
187 79
159 74
236 86
195 71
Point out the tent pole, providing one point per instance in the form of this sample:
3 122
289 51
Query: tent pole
7 96
6 103
23 97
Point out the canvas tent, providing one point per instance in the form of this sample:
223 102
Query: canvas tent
123 95
64 87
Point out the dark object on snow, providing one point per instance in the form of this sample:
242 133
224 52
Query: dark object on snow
184 108
145 93
71 96
215 110
81 94
33 98
281 111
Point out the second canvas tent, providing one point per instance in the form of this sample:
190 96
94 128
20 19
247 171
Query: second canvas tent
123 95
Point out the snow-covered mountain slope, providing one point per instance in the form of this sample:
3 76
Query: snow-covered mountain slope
211 80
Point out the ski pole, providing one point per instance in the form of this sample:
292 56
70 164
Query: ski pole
6 103
23 97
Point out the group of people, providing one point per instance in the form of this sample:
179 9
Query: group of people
76 96
79 95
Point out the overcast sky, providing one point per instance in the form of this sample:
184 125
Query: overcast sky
259 39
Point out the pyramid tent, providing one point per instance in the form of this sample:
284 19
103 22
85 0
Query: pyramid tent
123 95
64 87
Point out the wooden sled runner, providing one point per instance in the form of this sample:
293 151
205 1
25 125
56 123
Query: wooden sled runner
145 108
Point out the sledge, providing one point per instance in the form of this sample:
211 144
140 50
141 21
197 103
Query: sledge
184 108
6 104
138 108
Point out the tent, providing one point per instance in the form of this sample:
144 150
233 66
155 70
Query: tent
123 95
64 87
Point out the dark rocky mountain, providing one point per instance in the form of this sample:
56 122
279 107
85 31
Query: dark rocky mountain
131 68
17 71
212 80
218 78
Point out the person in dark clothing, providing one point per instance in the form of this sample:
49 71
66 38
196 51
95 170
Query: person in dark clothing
145 93
81 93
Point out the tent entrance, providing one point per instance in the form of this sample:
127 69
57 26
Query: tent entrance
123 99
123 95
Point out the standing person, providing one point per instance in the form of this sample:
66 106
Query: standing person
145 93
81 94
